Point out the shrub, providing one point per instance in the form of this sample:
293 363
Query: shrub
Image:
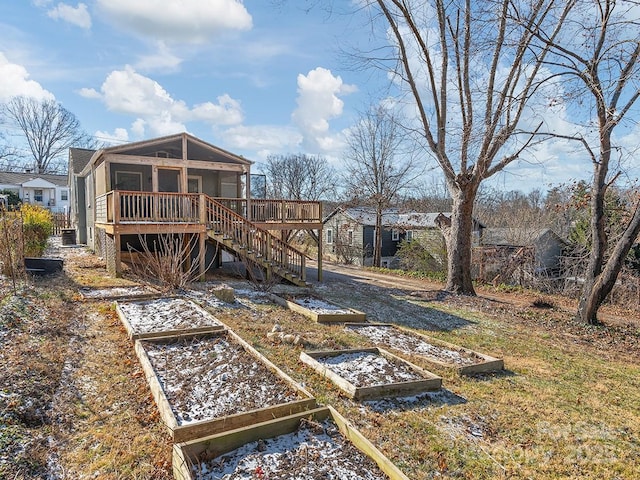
416 257
37 227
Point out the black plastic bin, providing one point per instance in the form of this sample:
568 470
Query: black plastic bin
43 266
68 236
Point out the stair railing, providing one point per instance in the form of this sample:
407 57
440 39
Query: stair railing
253 239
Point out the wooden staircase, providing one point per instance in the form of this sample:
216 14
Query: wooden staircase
254 245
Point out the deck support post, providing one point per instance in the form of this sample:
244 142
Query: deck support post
118 254
202 255
320 254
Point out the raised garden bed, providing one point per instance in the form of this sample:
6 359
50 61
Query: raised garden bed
371 373
438 352
311 445
320 310
118 293
207 384
162 317
43 265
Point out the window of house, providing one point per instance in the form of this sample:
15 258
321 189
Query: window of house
64 195
129 181
395 235
194 184
37 195
409 236
329 236
350 236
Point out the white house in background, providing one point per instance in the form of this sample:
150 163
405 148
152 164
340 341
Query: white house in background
44 189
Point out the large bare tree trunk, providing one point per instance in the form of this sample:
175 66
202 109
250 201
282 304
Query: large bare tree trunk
458 239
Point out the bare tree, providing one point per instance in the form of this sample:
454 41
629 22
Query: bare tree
378 166
598 57
469 70
48 129
299 177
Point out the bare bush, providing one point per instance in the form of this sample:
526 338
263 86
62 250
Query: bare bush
12 246
167 260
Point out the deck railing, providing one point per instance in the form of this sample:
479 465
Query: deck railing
276 211
147 207
253 239
180 207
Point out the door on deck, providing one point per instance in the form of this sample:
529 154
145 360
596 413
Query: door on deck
171 207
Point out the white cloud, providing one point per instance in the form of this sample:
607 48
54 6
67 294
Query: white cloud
156 111
14 81
226 112
162 60
138 128
178 20
263 138
318 102
89 93
118 137
78 16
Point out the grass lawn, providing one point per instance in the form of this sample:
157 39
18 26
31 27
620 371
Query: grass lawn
74 401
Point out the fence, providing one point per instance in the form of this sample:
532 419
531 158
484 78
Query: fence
61 220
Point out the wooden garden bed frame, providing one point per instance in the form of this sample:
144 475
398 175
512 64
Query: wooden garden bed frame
353 315
198 429
188 453
168 333
430 381
486 365
139 296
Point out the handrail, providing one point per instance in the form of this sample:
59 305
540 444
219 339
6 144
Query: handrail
255 239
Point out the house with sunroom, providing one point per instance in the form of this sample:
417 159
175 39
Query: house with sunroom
182 185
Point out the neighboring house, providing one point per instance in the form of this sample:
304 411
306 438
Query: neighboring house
349 233
44 189
179 184
518 254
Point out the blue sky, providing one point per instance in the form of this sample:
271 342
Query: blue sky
251 77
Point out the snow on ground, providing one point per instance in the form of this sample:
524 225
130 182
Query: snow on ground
115 292
319 306
364 369
209 377
164 314
392 337
314 451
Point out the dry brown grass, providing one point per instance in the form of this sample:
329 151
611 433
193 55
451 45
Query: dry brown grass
567 407
76 401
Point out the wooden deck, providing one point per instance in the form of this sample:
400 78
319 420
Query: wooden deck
169 208
242 226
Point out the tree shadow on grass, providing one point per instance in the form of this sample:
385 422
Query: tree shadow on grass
427 400
488 376
391 305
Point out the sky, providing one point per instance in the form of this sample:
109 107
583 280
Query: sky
256 78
